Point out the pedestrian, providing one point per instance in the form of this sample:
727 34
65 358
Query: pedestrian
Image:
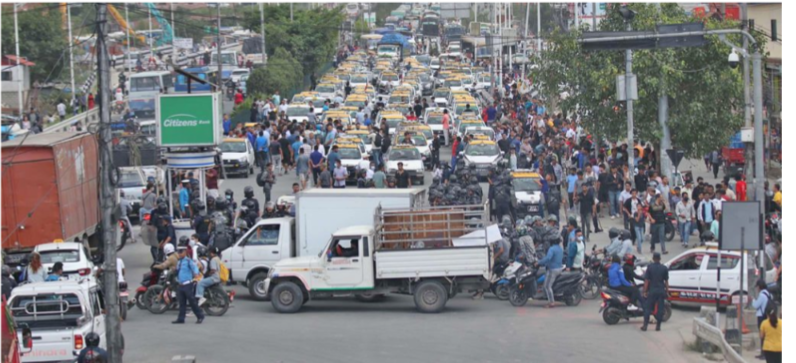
587 208
277 155
379 178
553 263
657 220
576 252
761 305
148 200
61 107
771 334
656 290
685 216
125 208
268 180
340 174
303 168
325 177
435 148
446 119
715 161
90 101
316 162
402 178
187 271
715 227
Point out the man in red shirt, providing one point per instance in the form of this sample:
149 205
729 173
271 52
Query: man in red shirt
410 116
740 188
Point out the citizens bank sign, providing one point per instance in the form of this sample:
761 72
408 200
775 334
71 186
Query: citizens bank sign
188 120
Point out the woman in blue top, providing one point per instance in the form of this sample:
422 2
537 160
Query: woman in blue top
617 281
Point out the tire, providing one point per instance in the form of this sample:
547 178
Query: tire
502 292
669 231
589 289
369 298
257 286
667 311
574 298
217 302
154 300
611 316
123 241
123 310
287 297
517 297
430 297
139 300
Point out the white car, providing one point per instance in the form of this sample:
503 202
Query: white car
484 154
59 314
73 256
455 49
692 275
359 80
237 156
326 91
299 113
412 161
132 182
238 73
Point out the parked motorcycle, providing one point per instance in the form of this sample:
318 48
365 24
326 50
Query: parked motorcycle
530 283
614 307
500 285
124 300
596 274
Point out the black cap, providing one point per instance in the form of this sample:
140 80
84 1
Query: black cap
656 256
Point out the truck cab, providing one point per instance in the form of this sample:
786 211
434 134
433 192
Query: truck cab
60 314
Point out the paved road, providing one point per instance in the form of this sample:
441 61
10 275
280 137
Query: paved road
345 330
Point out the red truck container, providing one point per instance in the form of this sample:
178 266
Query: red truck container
50 191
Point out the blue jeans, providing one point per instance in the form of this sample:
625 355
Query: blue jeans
613 197
549 280
685 231
203 284
658 232
376 157
639 237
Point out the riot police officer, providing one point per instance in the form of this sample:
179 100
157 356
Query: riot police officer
250 202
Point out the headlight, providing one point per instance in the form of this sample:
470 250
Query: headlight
243 160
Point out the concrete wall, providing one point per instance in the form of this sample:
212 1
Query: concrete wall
762 15
16 72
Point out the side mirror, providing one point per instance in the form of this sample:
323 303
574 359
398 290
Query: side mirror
329 256
27 339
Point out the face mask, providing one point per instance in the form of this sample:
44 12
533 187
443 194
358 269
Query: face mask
580 239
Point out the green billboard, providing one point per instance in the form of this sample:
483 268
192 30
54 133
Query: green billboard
188 120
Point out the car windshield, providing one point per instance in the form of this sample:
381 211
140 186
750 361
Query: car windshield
441 94
349 153
528 185
420 139
484 131
423 59
393 122
60 256
324 89
390 77
355 103
453 83
318 104
399 99
434 119
130 178
482 150
364 137
239 73
297 111
233 147
404 154
484 79
388 49
359 79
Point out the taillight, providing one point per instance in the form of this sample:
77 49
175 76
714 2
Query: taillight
605 296
78 342
147 217
84 271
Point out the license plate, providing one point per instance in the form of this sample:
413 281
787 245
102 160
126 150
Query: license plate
124 294
533 208
73 277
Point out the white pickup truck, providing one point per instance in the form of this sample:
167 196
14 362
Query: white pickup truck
431 254
59 315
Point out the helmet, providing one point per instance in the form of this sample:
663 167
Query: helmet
506 222
221 204
168 249
210 200
652 185
535 219
522 230
453 178
625 234
552 218
708 236
248 192
92 339
183 241
229 194
436 180
197 205
270 205
201 251
163 207
613 232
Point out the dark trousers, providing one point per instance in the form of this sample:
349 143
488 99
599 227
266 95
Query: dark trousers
654 298
155 251
267 192
773 357
185 296
261 157
316 172
760 320
434 158
716 170
629 291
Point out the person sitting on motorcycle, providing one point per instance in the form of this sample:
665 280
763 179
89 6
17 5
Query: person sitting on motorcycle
92 352
616 242
171 259
211 276
627 243
270 211
629 269
617 281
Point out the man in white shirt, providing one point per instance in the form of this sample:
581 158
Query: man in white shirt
120 269
61 109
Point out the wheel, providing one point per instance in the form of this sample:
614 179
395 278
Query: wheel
155 301
430 297
257 286
502 292
669 232
287 298
667 311
123 241
573 299
217 302
517 297
251 171
368 297
123 310
139 300
611 316
589 289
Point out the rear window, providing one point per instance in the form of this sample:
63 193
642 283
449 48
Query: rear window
47 311
63 256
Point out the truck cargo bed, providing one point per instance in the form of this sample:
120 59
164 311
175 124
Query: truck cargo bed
422 263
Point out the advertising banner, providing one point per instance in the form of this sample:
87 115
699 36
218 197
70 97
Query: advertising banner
188 120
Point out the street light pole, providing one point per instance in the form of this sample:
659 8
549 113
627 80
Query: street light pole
663 116
759 159
129 65
747 112
262 29
20 73
539 28
629 100
71 57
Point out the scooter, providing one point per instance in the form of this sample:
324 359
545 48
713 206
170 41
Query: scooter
500 285
529 284
614 307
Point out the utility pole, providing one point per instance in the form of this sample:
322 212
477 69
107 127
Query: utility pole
107 194
218 45
476 12
19 69
594 16
577 22
262 29
629 100
291 12
527 15
539 28
759 156
663 116
747 111
149 37
173 37
129 64
71 57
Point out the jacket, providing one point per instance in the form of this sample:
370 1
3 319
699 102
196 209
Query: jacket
616 277
554 258
575 253
170 263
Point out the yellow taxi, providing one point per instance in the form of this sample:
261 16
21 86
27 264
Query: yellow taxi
526 192
356 100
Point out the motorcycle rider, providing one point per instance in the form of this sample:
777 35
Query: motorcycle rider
211 276
553 262
616 243
618 282
229 195
171 258
627 243
92 352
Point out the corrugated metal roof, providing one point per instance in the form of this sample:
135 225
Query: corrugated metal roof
43 139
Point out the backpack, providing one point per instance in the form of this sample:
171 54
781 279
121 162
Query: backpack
261 179
223 271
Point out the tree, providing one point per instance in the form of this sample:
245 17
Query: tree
283 73
705 95
360 28
189 26
41 41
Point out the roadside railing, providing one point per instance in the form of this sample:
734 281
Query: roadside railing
81 120
713 335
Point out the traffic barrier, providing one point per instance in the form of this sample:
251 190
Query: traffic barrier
713 335
82 120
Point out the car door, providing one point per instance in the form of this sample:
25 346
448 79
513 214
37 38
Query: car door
97 301
729 276
250 152
261 247
344 270
685 273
